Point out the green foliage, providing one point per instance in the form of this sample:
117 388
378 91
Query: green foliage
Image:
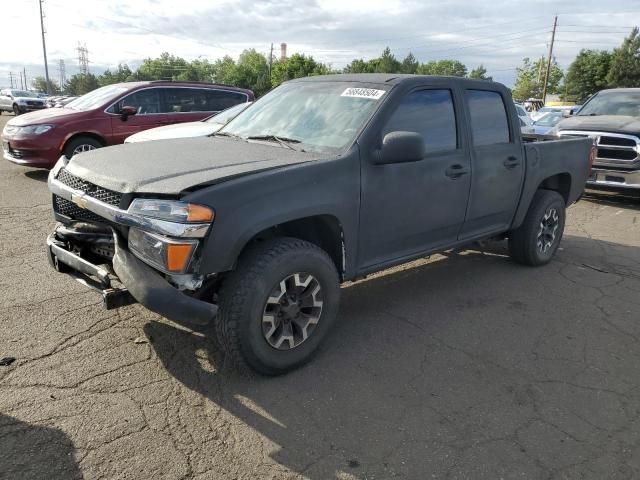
360 66
122 74
452 68
252 71
586 75
296 66
480 73
624 70
80 84
40 84
530 78
409 64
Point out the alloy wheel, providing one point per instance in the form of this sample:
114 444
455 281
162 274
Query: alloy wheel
85 147
292 311
547 230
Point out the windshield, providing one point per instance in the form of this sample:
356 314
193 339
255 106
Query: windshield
320 116
97 98
226 115
549 119
613 103
22 93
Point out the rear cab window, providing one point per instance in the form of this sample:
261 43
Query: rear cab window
430 113
488 116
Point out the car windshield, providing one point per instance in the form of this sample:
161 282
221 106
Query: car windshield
226 115
23 93
321 116
613 103
97 98
549 119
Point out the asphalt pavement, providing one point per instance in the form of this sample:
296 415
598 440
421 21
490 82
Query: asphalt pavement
463 366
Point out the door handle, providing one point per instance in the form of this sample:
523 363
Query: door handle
456 171
511 162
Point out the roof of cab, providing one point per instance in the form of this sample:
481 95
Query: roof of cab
397 78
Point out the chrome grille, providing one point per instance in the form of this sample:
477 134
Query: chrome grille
614 149
99 193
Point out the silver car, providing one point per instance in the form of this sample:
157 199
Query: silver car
19 101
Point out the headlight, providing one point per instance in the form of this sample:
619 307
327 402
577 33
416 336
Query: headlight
165 254
171 210
33 129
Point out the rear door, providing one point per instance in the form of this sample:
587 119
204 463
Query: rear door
150 114
497 163
408 208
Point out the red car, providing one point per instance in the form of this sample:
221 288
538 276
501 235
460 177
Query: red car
110 114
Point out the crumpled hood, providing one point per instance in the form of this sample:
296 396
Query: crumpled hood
602 123
43 116
171 166
178 130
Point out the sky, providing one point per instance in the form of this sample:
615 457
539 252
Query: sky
497 34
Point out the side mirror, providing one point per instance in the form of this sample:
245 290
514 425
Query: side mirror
402 147
127 111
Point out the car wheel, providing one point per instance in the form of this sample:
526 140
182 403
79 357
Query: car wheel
537 239
276 307
79 145
16 110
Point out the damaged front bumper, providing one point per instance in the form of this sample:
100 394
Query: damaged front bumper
126 280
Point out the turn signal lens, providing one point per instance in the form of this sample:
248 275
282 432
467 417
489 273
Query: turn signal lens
198 213
178 256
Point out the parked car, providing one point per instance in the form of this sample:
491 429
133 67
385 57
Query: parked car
323 180
566 110
19 101
64 101
612 119
523 114
110 114
206 127
544 125
525 128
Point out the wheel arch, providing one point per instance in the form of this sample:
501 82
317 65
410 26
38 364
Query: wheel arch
73 136
560 182
323 230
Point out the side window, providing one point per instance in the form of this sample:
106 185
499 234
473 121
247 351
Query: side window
180 100
429 113
218 100
146 101
489 123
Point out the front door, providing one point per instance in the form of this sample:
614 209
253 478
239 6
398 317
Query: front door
408 208
497 165
149 114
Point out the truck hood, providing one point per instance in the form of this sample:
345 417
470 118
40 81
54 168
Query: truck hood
179 130
172 166
602 123
43 116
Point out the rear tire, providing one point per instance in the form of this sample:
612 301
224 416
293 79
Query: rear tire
537 239
277 306
16 110
80 144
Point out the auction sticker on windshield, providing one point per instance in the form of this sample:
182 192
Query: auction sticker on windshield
371 93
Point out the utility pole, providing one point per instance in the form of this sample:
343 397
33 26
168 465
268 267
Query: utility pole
270 62
44 48
21 84
546 74
11 79
83 58
61 68
24 75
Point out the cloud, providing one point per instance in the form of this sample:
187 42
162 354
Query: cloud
497 34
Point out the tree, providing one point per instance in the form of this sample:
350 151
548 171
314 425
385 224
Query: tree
166 67
480 73
360 66
452 68
387 63
252 71
122 74
296 66
225 71
586 75
81 83
624 70
530 78
40 84
409 64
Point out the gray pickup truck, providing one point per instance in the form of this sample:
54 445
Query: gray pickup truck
322 181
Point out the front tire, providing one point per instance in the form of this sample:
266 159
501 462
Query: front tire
277 306
537 239
80 144
16 110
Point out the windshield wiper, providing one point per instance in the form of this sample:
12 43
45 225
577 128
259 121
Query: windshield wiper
284 141
225 134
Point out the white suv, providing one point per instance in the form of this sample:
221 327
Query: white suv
19 101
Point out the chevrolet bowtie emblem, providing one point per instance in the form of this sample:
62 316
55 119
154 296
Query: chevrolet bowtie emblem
79 200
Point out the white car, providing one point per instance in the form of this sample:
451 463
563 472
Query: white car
564 109
208 126
524 115
19 101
